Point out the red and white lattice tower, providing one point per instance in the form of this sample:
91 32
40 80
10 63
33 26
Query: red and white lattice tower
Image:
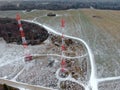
28 57
62 46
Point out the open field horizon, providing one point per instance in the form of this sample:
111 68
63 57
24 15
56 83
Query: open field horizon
98 28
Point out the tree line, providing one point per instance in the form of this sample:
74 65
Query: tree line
59 5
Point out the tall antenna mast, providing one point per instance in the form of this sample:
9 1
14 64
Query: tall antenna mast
28 57
63 45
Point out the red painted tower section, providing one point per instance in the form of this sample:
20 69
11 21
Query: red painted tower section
62 46
28 57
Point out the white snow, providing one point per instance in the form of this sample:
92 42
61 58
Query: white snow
93 83
9 55
23 89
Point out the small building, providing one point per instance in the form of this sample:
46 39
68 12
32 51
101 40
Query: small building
51 14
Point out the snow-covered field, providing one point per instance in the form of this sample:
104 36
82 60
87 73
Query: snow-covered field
39 71
101 35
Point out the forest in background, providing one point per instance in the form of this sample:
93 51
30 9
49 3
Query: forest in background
57 5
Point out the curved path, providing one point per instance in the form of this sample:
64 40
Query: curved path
22 85
108 79
93 81
38 55
69 78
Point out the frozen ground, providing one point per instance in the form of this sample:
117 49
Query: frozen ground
101 34
110 85
40 71
97 32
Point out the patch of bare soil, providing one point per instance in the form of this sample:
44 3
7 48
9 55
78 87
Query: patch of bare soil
34 34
